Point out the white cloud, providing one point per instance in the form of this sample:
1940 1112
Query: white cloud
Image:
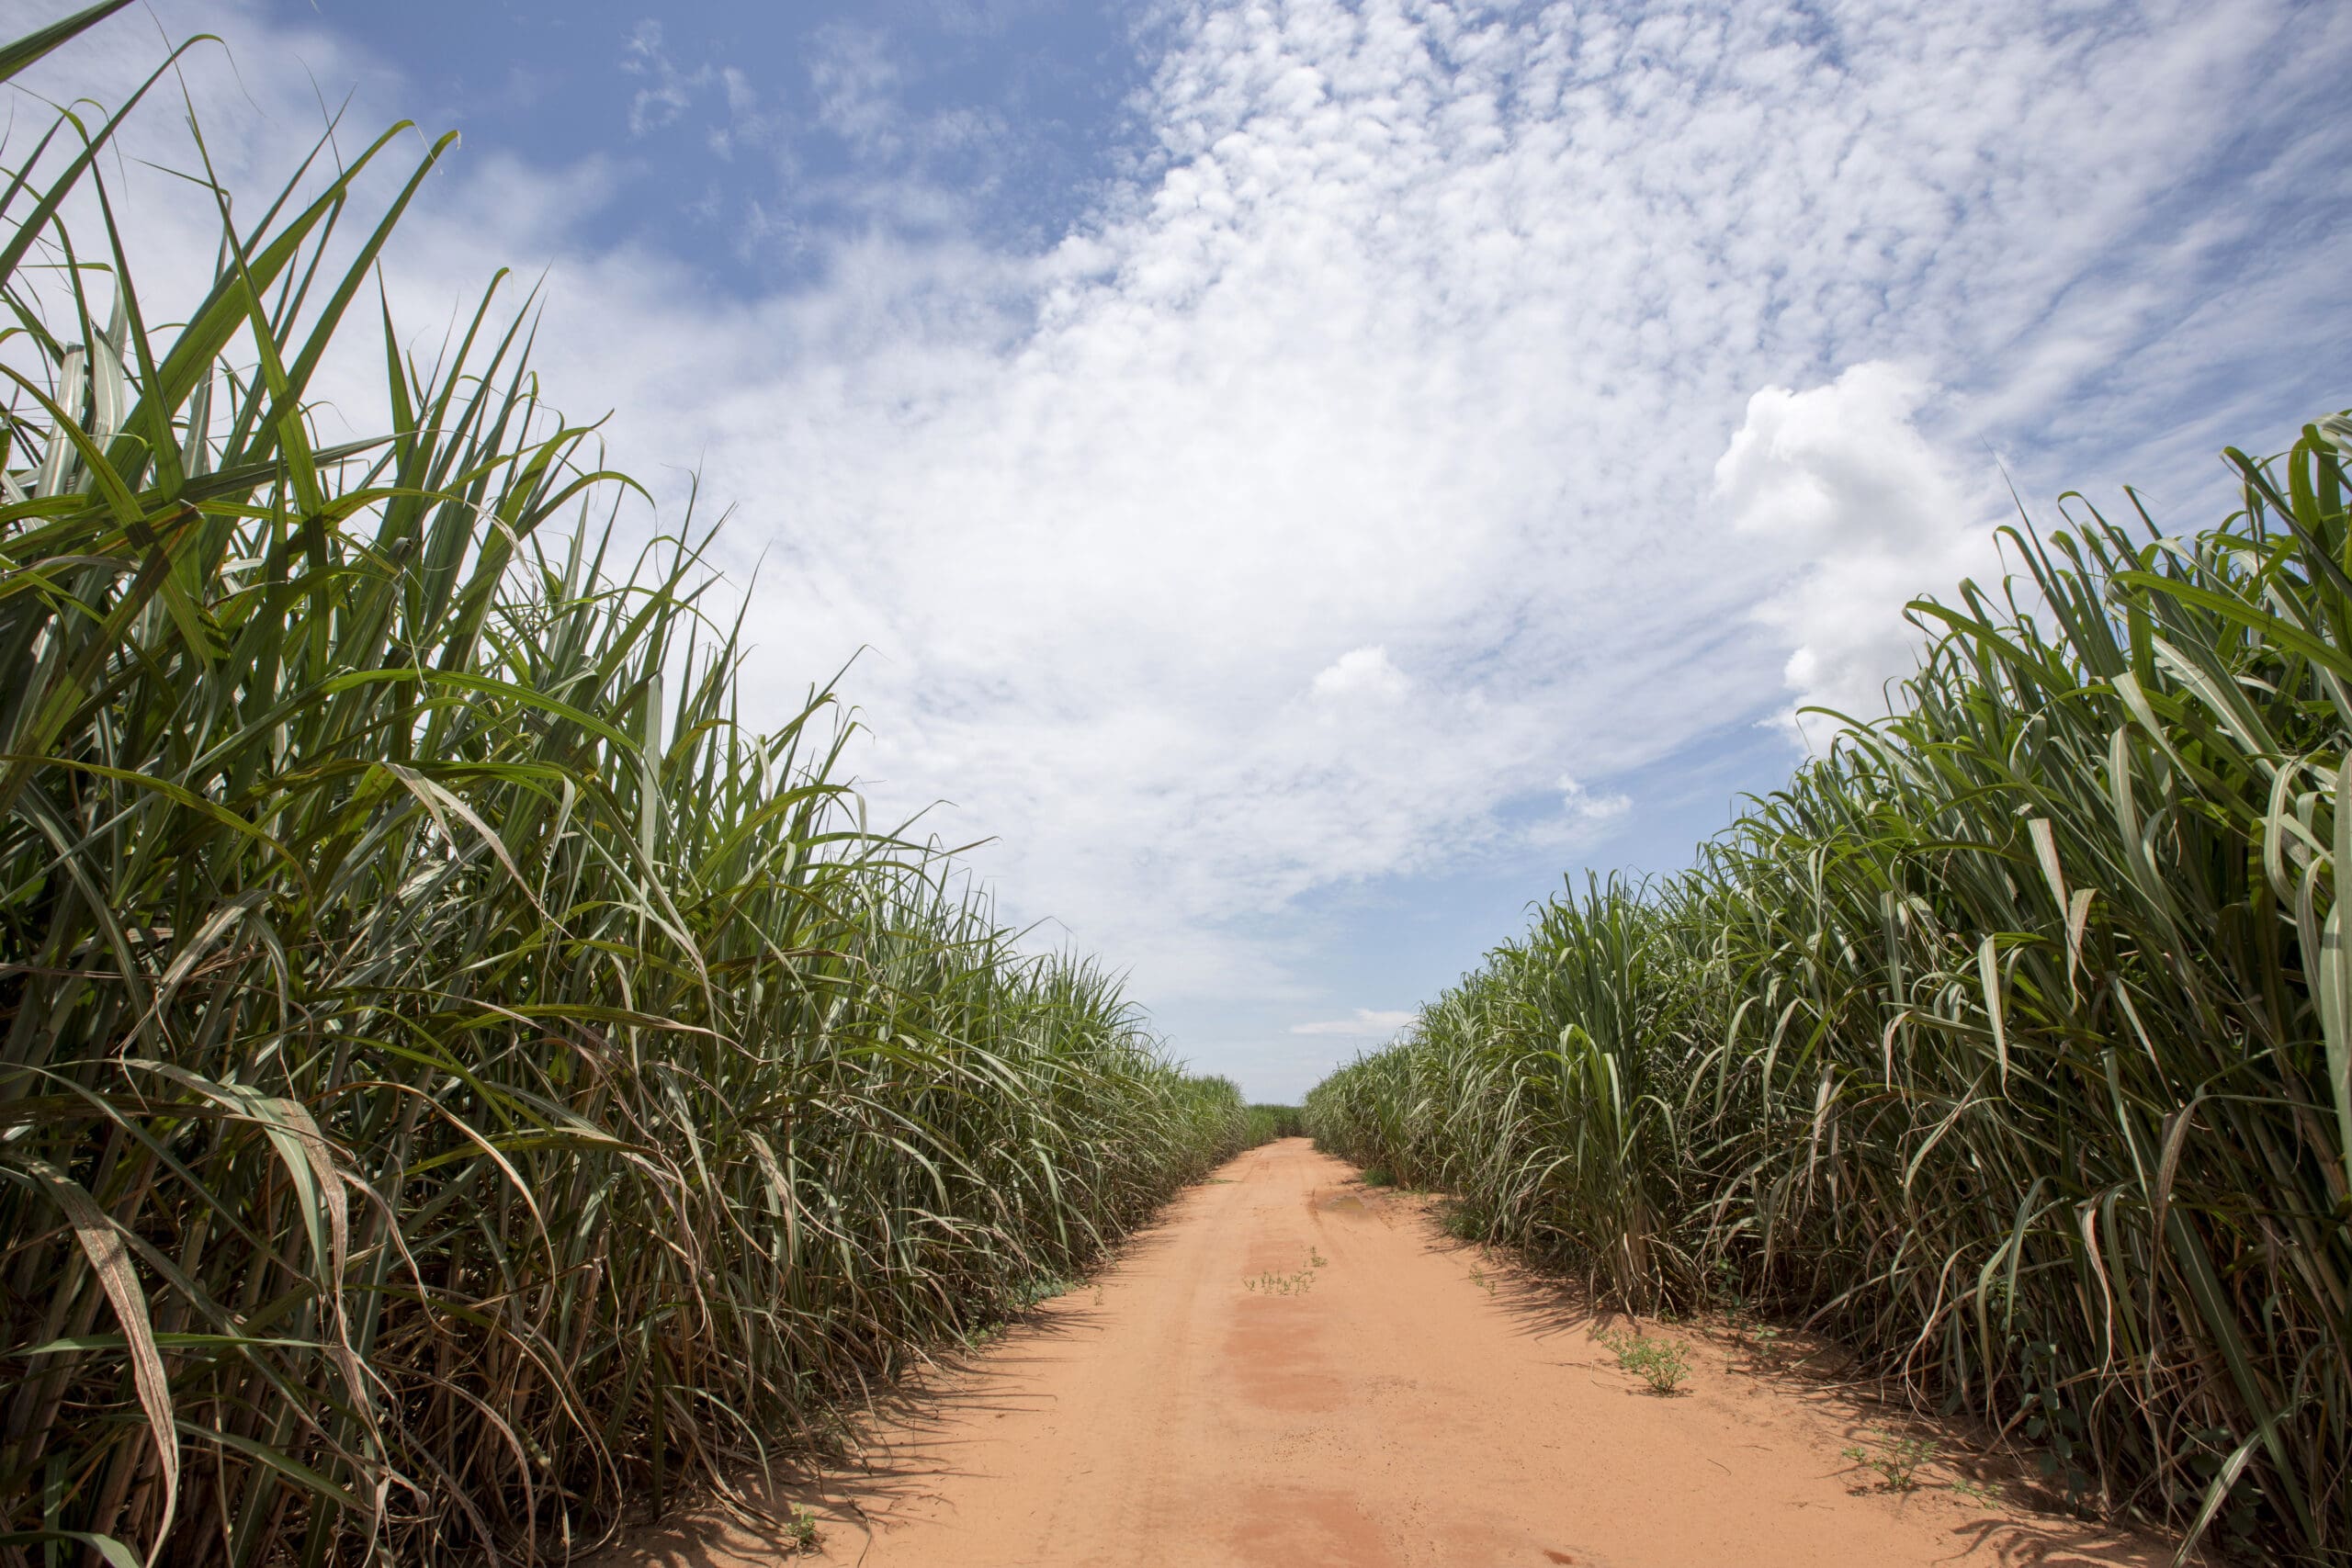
668 91
1585 820
1582 806
1841 478
1361 673
1409 344
1364 1022
857 86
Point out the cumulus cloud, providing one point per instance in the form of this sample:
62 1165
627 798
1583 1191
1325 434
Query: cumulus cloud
1344 486
1841 480
1364 1022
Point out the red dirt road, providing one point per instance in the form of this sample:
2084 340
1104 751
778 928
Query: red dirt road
1416 1404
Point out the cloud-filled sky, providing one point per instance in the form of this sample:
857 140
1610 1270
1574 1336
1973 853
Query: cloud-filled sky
1304 475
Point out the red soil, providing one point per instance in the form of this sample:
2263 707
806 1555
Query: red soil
1418 1403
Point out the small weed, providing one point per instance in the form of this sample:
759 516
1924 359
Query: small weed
1296 1284
1660 1365
1721 1286
1983 1493
1478 1278
801 1535
1896 1459
1375 1175
1043 1288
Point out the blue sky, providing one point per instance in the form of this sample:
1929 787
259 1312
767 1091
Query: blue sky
1307 476
743 136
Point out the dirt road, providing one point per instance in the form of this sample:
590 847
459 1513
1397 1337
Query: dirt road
1383 1396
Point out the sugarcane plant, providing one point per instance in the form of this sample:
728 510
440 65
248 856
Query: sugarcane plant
2011 1040
459 1077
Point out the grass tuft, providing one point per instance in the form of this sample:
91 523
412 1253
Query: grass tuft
1656 1362
1897 1460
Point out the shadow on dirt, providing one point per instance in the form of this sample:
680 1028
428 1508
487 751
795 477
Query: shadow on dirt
890 1448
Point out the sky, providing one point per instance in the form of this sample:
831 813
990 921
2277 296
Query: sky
1297 480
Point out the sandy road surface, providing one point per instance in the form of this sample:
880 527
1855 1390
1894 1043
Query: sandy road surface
1413 1406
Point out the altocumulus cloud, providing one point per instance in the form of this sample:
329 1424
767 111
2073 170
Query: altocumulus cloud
1451 412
